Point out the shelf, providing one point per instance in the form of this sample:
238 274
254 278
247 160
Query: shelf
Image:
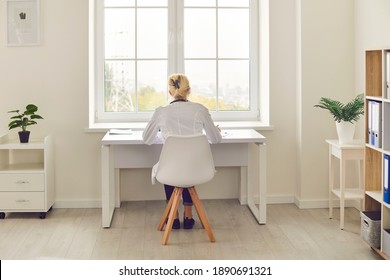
14 144
386 100
374 148
351 194
23 167
387 152
375 98
376 195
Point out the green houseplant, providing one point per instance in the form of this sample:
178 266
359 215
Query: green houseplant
345 115
22 120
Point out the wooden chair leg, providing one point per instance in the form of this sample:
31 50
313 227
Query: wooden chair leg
165 214
201 222
175 204
201 213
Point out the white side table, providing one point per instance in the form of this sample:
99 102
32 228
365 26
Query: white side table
344 152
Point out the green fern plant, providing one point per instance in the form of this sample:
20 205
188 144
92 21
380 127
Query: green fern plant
349 112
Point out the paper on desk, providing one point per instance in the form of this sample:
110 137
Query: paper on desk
121 131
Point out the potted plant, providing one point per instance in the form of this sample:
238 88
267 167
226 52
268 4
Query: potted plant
23 120
345 115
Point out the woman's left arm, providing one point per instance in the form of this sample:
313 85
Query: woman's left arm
213 132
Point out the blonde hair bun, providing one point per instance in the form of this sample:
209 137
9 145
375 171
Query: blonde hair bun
180 85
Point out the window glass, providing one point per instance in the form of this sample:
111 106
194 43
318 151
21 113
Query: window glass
233 35
119 86
152 3
202 75
199 33
152 84
208 40
233 85
152 34
233 3
119 3
119 35
199 3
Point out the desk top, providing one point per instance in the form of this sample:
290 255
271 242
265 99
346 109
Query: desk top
355 144
228 136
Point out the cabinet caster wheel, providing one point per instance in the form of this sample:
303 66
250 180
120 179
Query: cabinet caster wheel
42 215
2 215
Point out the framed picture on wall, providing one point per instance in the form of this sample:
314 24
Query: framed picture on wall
23 24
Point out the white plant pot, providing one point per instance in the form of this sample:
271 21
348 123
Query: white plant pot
345 132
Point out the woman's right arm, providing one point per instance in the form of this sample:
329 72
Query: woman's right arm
150 133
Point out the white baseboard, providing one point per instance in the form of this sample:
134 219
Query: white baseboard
280 199
78 204
324 203
301 204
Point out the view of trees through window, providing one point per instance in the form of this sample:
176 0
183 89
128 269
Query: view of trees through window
215 48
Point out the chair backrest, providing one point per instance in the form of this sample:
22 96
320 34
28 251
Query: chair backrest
185 161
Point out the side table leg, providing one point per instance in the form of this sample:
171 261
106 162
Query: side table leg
331 182
342 190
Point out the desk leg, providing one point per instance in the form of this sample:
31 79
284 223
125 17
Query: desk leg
263 183
243 196
108 185
260 213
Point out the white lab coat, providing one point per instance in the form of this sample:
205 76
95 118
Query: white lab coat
179 118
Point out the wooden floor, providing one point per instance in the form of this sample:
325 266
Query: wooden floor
290 233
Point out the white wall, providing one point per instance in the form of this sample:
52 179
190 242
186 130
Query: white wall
54 76
281 145
372 22
325 69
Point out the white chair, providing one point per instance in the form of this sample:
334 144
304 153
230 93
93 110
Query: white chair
185 161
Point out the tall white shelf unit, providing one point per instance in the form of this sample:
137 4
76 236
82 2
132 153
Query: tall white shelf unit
376 90
26 176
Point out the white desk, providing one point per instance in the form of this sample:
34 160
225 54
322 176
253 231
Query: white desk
129 151
344 152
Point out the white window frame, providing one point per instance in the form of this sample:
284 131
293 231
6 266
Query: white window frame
259 84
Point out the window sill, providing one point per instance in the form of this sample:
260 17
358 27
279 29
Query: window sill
104 127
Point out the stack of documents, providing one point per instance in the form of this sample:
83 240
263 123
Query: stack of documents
375 123
121 131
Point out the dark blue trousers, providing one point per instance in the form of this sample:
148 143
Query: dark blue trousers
185 194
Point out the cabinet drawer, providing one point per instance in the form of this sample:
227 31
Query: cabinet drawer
22 182
22 201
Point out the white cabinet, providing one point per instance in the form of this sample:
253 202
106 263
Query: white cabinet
26 176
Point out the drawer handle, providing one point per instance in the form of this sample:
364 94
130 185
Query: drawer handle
22 200
22 182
